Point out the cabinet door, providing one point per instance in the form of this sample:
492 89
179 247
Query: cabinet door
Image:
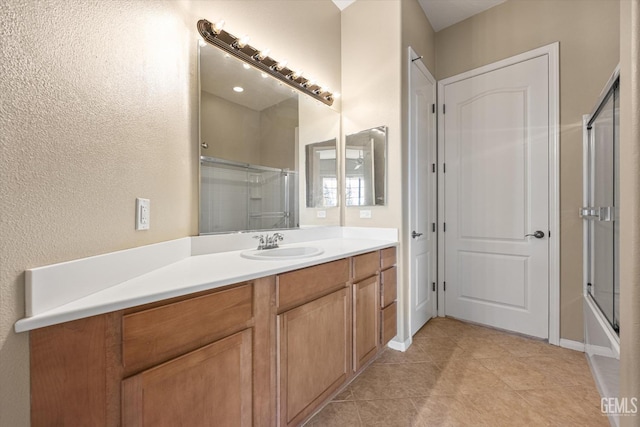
365 320
313 354
389 323
209 386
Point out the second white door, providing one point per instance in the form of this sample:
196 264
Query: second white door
422 193
496 196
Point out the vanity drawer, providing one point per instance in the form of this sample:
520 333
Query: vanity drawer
158 334
300 286
365 265
387 257
389 286
389 323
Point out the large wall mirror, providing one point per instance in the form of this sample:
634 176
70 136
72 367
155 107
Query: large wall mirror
253 133
366 167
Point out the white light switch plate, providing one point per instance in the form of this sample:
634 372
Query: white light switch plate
321 214
365 213
143 214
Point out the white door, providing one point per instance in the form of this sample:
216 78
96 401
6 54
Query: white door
496 192
422 198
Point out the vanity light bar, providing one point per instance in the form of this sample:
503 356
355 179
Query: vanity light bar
240 48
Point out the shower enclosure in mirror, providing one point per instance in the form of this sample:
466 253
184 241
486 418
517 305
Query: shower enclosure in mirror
253 133
365 167
602 201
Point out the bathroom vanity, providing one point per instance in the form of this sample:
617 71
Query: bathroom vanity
267 351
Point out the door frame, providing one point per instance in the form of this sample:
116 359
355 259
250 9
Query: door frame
552 51
414 59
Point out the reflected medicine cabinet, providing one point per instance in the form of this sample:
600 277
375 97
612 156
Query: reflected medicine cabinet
365 167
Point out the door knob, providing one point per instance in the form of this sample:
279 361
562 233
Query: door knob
538 234
414 234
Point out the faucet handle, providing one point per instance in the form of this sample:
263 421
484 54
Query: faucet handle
260 238
278 237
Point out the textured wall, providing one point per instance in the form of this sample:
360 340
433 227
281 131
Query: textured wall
588 32
98 106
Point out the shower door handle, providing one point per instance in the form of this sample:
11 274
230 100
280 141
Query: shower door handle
414 234
538 234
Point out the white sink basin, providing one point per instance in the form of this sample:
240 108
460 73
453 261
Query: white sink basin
283 253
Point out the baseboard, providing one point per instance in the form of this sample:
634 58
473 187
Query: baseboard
599 350
572 345
399 345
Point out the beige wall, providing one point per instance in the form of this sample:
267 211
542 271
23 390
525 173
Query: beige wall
99 106
278 125
588 32
371 93
371 83
231 131
630 196
318 123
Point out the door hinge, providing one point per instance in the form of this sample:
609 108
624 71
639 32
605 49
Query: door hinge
443 109
444 227
433 108
433 167
433 286
444 286
444 168
433 227
549 234
589 287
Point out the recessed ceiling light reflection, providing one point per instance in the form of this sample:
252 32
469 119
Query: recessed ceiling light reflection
238 89
246 66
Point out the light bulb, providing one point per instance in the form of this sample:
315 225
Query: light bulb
217 27
296 74
263 54
242 41
281 65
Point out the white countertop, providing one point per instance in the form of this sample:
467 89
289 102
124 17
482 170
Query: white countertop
191 274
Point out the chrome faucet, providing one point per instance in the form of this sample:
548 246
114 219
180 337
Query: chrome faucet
269 242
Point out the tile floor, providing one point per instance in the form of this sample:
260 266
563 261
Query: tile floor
458 374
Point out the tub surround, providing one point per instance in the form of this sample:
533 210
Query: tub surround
90 286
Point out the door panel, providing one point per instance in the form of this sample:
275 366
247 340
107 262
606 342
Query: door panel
422 187
496 142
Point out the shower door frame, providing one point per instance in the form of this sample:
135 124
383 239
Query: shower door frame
586 196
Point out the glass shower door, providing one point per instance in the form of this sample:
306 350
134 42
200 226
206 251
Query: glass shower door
602 208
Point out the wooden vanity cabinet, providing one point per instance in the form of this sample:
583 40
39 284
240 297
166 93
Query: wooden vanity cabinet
194 371
388 295
366 306
314 345
208 386
264 353
184 361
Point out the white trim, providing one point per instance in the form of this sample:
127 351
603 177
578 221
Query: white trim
399 345
572 345
614 339
552 51
600 350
